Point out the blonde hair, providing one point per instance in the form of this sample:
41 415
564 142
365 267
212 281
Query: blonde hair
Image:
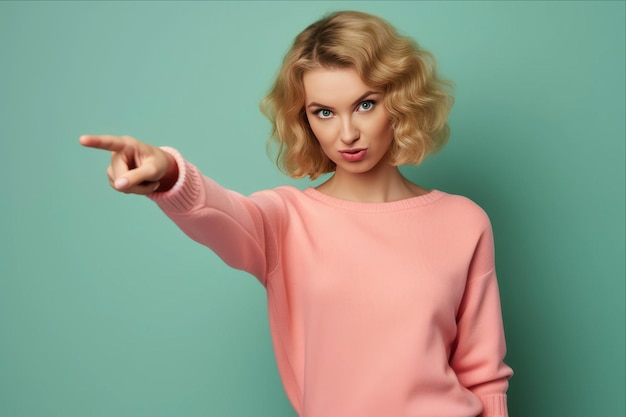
417 100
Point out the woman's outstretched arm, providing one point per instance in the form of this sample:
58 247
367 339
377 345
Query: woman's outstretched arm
242 231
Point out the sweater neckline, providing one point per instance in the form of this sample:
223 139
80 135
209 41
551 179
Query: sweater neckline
407 203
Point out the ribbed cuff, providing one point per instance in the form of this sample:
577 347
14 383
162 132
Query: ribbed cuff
494 405
184 194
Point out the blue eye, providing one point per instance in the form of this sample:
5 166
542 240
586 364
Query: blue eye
366 105
324 114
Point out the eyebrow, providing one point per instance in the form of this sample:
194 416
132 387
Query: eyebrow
364 96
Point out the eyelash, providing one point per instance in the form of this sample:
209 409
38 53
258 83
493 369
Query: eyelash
318 113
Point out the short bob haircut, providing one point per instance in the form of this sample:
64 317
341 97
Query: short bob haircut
418 101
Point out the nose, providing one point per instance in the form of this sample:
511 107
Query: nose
349 132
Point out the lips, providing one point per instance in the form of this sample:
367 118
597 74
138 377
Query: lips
353 155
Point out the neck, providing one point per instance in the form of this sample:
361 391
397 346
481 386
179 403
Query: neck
376 186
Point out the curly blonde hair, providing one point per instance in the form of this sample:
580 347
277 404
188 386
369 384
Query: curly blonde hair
418 101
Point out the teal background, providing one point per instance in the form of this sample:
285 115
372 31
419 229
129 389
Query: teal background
106 309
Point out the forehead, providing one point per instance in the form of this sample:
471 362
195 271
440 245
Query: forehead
333 86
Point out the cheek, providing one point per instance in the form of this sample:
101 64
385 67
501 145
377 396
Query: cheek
382 128
313 126
321 131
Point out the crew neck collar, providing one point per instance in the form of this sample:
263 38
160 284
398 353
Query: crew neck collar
407 203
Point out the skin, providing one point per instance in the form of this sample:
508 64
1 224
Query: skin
136 167
344 114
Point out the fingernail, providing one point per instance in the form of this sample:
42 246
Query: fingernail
121 183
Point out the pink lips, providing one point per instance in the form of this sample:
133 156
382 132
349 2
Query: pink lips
353 155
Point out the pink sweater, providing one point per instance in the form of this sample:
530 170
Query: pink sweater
375 309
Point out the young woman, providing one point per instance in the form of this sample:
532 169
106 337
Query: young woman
382 295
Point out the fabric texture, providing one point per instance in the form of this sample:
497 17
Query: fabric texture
375 309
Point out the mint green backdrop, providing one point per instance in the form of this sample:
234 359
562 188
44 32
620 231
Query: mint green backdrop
106 309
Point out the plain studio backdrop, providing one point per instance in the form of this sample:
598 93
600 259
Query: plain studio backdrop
107 309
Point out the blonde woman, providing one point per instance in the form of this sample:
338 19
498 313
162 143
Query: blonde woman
382 295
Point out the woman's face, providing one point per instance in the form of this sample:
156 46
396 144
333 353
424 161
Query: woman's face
348 119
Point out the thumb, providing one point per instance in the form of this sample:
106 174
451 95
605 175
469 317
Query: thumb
138 178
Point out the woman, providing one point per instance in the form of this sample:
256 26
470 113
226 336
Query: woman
382 295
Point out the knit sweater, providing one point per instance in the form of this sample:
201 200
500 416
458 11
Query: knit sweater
375 309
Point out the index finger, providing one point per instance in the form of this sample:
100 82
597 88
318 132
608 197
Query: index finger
104 142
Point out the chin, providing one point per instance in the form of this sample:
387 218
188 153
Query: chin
358 170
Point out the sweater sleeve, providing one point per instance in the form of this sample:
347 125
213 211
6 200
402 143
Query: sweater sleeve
241 230
478 354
